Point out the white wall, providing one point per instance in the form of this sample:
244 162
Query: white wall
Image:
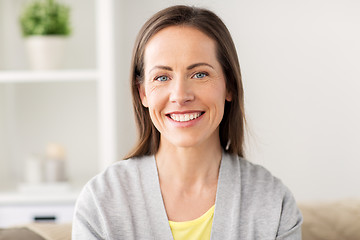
3 172
301 76
125 116
11 57
7 136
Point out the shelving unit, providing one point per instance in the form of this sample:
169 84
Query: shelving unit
25 76
96 84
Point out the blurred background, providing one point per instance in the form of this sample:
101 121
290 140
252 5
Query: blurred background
300 66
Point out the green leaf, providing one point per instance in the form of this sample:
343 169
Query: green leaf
45 17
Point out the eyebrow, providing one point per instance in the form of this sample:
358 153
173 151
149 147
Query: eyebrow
188 68
197 65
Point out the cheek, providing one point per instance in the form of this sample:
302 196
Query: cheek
156 105
155 97
215 93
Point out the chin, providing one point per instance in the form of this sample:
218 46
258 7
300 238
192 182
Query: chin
181 142
186 143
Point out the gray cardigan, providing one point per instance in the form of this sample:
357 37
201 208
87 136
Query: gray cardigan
125 202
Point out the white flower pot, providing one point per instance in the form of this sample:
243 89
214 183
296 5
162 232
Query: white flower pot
45 52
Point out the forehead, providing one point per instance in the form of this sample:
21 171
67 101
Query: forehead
179 43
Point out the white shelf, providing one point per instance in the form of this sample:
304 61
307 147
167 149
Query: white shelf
48 76
101 109
17 198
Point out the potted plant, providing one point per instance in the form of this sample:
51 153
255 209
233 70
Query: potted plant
45 24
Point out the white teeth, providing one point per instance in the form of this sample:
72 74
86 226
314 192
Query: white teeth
184 117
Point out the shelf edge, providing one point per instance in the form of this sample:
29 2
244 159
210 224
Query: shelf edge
48 76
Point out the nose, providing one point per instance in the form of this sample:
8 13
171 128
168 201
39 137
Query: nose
181 91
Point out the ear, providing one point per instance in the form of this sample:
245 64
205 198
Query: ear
228 96
142 95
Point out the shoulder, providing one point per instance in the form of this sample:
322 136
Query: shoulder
97 207
121 175
119 183
255 177
265 195
260 186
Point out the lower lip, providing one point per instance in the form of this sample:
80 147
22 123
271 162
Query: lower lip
185 124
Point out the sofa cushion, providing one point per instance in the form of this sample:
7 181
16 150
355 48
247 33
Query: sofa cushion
37 231
19 234
331 220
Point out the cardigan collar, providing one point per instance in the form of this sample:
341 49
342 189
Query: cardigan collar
226 209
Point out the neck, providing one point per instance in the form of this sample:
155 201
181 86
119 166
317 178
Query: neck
190 166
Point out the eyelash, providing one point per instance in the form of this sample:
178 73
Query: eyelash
157 78
205 74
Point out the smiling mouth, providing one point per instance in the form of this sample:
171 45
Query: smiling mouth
185 117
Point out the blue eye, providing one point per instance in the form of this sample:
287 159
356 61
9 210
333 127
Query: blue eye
200 75
162 78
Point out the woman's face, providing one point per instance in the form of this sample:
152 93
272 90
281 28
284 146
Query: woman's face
184 87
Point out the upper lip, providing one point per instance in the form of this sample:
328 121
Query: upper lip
185 112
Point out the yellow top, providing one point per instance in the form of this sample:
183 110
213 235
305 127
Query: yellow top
197 229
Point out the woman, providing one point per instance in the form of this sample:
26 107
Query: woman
186 178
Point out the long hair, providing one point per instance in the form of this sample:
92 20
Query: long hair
231 129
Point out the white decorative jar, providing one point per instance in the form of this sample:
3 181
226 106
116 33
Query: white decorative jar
45 52
54 164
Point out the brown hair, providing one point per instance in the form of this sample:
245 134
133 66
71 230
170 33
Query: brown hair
231 128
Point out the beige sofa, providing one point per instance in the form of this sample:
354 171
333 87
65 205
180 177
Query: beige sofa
338 220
